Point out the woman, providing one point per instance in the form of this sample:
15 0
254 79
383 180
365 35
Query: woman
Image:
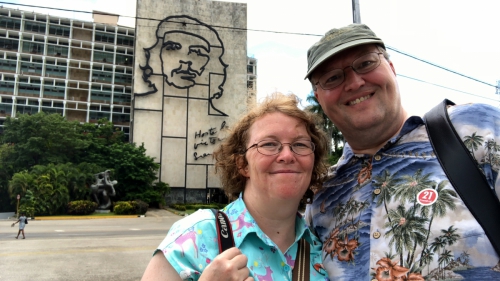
269 161
22 223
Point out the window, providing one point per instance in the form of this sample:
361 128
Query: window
124 60
53 92
55 70
124 40
122 98
31 47
57 51
103 57
102 76
104 37
8 23
29 89
8 65
123 78
31 68
34 27
59 30
9 44
6 87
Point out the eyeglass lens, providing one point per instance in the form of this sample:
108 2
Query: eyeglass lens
363 64
267 147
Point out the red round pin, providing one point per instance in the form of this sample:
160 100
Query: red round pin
427 197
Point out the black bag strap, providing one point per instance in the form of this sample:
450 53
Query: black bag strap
463 172
224 231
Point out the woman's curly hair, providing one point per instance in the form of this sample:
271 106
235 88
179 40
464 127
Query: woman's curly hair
230 156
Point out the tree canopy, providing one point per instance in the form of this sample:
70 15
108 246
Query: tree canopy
50 161
337 140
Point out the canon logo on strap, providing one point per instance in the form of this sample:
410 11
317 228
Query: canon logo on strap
223 230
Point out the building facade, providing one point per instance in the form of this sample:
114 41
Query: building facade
81 70
85 72
190 87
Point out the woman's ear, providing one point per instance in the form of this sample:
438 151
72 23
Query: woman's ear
242 166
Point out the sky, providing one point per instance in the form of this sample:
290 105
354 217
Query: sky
459 35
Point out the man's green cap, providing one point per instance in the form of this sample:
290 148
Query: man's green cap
339 39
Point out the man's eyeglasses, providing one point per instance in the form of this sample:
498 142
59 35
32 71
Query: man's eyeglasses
272 147
363 64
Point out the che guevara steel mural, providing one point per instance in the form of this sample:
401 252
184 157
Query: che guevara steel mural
190 53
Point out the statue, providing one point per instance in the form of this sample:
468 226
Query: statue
102 189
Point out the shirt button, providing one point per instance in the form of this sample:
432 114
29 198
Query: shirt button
376 235
376 191
378 157
286 267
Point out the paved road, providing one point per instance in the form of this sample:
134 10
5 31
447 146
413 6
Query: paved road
97 249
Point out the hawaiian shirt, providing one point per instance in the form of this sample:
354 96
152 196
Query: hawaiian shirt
191 244
395 216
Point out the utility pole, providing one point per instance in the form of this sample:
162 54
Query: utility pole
356 17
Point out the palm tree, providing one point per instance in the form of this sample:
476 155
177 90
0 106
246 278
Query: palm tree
450 235
438 244
405 229
444 201
491 149
20 183
426 258
386 183
411 186
445 259
464 257
472 142
331 130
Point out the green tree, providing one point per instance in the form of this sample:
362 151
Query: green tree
41 139
19 184
330 129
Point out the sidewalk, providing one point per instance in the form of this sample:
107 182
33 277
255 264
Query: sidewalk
149 213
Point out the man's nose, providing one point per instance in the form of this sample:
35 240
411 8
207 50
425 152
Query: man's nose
352 80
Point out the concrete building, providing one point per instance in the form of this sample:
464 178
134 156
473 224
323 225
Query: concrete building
82 70
85 71
190 86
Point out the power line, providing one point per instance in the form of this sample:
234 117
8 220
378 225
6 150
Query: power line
258 30
444 87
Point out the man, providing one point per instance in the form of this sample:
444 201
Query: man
387 210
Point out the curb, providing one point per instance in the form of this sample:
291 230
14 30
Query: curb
86 217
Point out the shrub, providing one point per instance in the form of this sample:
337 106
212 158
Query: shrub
81 207
124 208
136 207
140 206
179 207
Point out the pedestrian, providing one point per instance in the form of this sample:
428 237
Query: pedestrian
267 165
22 223
387 210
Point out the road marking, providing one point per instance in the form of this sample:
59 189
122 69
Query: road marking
134 229
57 230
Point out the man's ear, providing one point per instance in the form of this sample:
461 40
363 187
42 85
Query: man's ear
242 166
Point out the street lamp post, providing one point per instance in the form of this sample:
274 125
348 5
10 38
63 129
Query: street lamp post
18 197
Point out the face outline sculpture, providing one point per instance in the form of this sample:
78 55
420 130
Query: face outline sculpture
185 54
183 58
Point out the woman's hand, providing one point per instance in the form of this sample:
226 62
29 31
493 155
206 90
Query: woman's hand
231 265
